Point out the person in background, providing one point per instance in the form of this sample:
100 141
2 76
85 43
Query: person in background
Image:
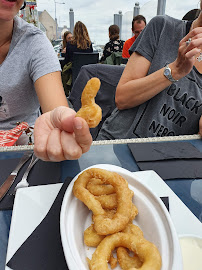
34 81
80 42
160 91
114 45
138 24
66 38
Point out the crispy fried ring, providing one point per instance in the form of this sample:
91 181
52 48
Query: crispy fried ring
125 260
91 238
89 110
147 252
113 261
96 187
107 201
102 224
110 202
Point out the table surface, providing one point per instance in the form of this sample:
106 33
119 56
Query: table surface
188 190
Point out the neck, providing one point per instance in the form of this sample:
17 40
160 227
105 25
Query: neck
6 30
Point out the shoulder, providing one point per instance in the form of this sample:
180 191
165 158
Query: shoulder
161 21
129 42
27 33
108 44
132 39
22 27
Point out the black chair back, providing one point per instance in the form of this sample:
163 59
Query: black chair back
124 60
81 59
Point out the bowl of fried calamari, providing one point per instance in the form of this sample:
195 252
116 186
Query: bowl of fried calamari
110 220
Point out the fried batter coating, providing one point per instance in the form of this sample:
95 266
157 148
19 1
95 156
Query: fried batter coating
89 110
102 224
147 251
91 238
96 187
125 260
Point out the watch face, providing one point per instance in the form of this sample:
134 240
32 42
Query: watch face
167 72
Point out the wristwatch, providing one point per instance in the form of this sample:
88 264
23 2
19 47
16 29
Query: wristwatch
167 73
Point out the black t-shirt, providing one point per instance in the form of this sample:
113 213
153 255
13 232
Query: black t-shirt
70 49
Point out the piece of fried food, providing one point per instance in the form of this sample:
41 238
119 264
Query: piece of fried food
91 238
102 224
96 187
89 110
125 260
147 251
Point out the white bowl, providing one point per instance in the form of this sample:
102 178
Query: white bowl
153 219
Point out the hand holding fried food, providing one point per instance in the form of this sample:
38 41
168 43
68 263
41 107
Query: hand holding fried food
89 110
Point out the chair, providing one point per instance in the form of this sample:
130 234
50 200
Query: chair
81 59
124 60
109 76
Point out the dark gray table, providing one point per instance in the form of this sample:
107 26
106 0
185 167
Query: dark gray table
115 154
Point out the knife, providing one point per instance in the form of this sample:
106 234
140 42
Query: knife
4 188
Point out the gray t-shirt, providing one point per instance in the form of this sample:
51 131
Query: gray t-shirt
30 56
174 111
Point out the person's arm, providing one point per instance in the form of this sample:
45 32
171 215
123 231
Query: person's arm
135 87
58 134
50 91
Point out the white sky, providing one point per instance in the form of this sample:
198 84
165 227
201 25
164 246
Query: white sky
99 15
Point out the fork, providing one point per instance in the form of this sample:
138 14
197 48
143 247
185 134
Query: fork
23 183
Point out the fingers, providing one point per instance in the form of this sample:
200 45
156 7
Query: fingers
82 134
62 118
41 134
69 146
59 135
192 41
195 33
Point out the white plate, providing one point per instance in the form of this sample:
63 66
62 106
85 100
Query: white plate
153 219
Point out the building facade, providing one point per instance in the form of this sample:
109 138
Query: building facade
49 23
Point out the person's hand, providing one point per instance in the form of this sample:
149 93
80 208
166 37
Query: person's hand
59 135
187 53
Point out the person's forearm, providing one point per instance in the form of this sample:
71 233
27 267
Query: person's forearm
137 91
50 92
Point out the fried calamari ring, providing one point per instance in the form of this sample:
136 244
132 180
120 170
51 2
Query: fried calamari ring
91 238
102 224
125 260
147 252
89 110
110 202
107 201
113 261
96 187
